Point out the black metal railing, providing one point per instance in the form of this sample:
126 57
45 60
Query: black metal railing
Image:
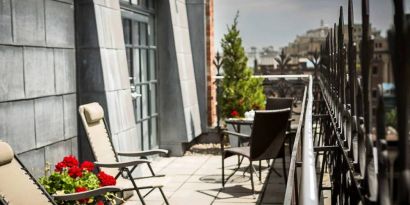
361 164
340 149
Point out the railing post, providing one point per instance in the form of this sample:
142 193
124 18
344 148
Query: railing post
218 64
400 46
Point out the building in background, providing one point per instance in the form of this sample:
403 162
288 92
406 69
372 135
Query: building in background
306 44
262 61
381 68
147 62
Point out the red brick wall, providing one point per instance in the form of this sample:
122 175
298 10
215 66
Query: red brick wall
210 53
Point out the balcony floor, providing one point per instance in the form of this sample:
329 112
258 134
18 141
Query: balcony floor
196 180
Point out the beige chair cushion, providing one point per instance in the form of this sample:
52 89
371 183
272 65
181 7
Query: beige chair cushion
15 184
93 112
17 187
97 135
6 153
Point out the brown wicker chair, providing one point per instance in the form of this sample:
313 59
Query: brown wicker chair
279 103
92 116
266 140
18 186
282 103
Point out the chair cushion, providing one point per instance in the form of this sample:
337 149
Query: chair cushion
6 153
93 112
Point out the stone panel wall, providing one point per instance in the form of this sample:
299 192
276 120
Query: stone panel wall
180 120
38 80
103 73
197 20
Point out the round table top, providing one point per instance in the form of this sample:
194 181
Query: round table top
239 121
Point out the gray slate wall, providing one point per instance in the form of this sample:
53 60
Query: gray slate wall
38 80
180 120
197 33
103 73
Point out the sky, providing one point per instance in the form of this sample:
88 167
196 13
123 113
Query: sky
277 22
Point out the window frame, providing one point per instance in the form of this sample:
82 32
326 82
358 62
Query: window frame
148 116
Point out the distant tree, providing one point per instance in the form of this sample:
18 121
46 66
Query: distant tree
240 92
314 58
283 61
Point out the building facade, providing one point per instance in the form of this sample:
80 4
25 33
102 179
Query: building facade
144 61
262 60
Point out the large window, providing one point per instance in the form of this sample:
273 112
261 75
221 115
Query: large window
139 37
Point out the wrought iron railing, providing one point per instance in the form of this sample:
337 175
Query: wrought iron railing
361 164
338 140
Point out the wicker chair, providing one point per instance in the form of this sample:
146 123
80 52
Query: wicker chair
266 140
92 116
18 186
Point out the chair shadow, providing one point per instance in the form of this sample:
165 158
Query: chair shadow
231 192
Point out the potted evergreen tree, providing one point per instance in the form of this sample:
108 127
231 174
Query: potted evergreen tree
240 92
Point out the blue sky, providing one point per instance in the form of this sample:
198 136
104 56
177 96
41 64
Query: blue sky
277 22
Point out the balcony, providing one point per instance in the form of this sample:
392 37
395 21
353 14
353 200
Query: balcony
340 152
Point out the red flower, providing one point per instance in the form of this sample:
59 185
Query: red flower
100 203
105 179
59 166
70 161
75 172
87 165
234 113
81 189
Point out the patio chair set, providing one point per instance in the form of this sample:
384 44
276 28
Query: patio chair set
270 129
266 141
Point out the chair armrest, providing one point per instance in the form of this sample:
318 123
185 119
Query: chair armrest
296 113
121 164
86 194
290 132
143 153
236 134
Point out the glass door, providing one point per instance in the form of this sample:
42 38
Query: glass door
139 37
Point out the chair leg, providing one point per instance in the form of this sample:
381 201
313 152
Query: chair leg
150 169
272 166
223 172
163 196
251 171
256 173
227 178
135 186
260 170
284 167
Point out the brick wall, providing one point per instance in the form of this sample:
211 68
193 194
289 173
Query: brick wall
210 53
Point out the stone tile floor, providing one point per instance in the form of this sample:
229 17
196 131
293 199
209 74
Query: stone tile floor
196 180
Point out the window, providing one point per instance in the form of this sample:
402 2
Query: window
375 70
140 44
141 4
374 93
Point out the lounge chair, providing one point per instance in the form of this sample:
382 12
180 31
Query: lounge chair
92 116
265 142
18 186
